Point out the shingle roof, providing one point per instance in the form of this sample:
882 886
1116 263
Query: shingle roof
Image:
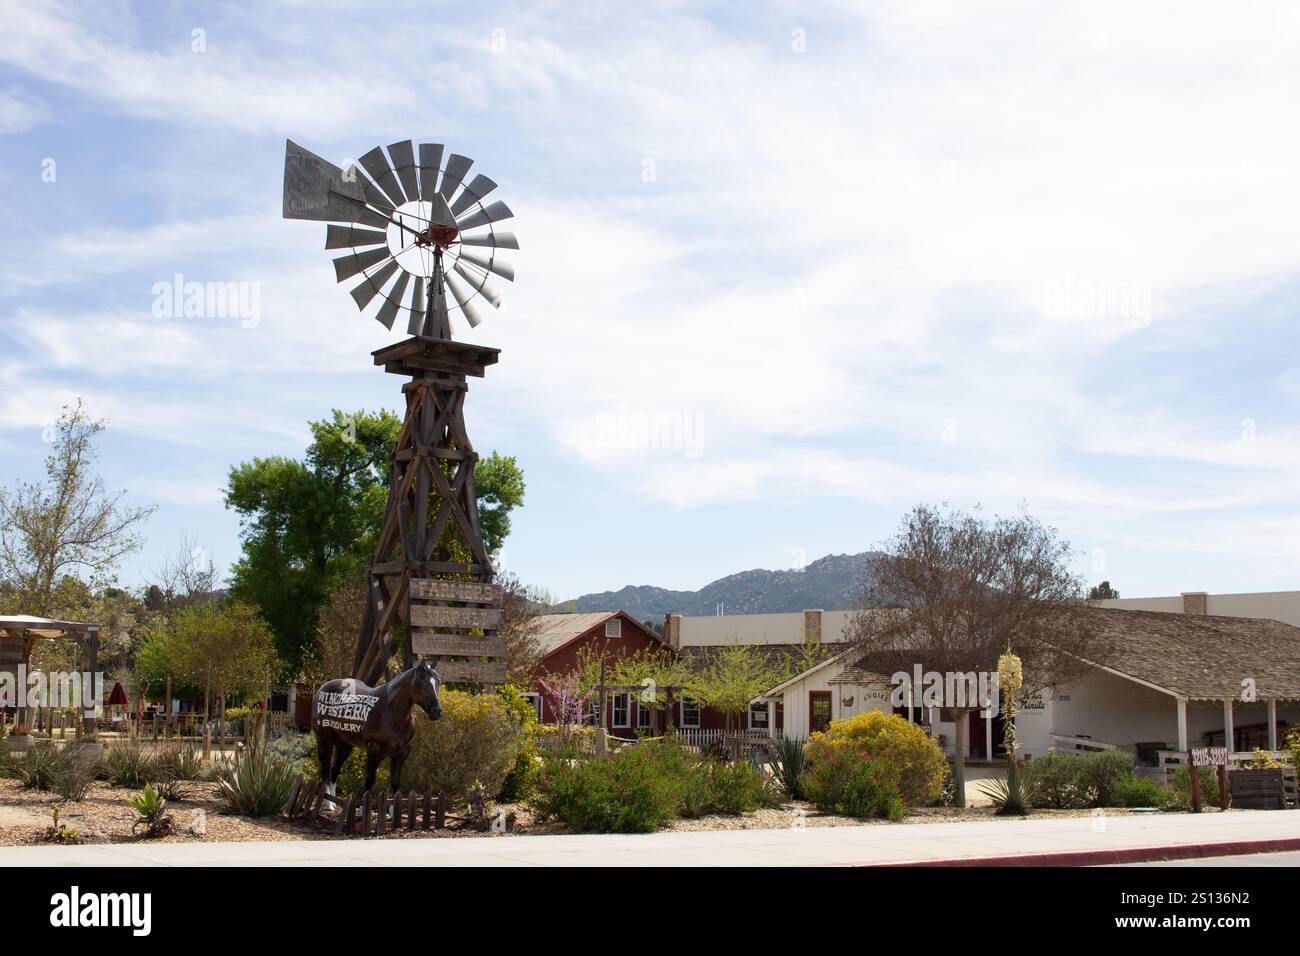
1197 656
1204 656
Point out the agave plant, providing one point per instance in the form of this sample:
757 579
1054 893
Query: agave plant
788 761
256 781
151 816
1010 795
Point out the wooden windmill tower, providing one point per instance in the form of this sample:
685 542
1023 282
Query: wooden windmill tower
415 230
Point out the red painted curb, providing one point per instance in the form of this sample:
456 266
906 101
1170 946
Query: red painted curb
1140 854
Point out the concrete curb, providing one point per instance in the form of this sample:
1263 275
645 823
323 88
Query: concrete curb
1138 854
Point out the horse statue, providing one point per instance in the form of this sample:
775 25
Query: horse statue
348 713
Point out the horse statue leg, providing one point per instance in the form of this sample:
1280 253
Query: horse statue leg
373 756
395 764
323 754
341 753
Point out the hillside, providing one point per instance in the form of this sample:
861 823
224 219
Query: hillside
830 583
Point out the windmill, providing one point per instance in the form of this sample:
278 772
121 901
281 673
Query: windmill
421 243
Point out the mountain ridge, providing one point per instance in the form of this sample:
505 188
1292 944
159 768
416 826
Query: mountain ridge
833 582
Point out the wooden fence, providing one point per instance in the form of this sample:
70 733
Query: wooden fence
371 814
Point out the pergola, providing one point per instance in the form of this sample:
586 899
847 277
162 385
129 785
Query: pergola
18 633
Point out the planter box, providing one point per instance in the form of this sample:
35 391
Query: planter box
1257 789
20 743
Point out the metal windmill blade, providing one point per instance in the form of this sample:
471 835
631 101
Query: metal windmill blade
402 225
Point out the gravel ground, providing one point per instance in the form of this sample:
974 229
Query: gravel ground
103 816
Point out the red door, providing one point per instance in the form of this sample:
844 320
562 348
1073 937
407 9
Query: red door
978 742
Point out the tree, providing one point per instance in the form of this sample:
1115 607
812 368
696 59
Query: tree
67 528
951 592
226 648
735 675
522 608
1102 592
310 526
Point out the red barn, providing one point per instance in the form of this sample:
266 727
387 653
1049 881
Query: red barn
564 636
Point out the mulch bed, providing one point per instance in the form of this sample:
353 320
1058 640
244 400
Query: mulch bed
104 817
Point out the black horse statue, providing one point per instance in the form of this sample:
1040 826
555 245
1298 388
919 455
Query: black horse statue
348 713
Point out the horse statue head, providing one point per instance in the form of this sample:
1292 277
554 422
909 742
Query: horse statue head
424 689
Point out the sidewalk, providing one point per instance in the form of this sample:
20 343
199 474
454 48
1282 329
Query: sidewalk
881 844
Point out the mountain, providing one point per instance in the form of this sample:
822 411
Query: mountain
830 583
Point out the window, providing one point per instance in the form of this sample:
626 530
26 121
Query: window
614 627
622 710
819 710
690 714
536 700
645 715
758 715
593 712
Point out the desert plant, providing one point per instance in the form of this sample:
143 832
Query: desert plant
58 832
904 751
256 782
150 807
847 781
129 764
1011 794
69 772
788 761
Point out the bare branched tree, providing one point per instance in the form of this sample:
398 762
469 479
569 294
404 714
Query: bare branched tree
951 591
65 526
522 606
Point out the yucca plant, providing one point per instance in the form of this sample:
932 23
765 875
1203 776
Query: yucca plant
69 772
1010 795
788 761
256 782
176 767
129 764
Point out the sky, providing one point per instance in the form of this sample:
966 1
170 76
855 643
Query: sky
786 269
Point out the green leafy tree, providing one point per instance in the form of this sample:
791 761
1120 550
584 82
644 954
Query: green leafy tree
1102 592
735 675
309 527
226 649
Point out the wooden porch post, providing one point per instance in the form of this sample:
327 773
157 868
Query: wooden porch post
1272 724
92 665
1182 724
1229 740
988 735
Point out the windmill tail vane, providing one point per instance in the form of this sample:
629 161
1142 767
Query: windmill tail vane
414 229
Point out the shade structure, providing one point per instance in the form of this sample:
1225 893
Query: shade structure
118 697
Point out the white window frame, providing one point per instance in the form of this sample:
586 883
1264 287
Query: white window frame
763 707
645 715
535 699
683 723
594 716
614 627
627 710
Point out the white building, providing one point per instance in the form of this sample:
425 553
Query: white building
1174 681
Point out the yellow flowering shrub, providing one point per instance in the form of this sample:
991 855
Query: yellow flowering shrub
904 750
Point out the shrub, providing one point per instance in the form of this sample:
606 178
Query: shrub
69 772
1179 795
522 777
1261 759
1105 775
848 781
130 765
788 760
1011 794
903 751
476 743
635 791
256 782
738 787
1138 792
1056 783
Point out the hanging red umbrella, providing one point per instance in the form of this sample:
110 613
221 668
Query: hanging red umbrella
118 697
